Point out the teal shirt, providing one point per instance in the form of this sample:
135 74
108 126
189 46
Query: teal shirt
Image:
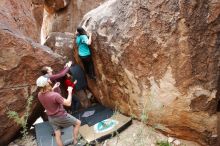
83 48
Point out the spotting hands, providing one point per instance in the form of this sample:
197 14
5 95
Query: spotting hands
69 89
68 64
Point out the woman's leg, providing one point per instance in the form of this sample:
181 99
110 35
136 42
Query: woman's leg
85 64
89 67
75 103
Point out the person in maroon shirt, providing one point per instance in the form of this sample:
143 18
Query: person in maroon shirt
53 103
68 83
48 72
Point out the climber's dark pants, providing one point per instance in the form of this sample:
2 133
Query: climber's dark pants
88 66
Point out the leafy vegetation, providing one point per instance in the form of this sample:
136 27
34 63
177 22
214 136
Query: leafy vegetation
22 121
163 143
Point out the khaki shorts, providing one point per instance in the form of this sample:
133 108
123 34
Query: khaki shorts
62 121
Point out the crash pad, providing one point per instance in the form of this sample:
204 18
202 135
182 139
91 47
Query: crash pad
102 112
45 135
105 129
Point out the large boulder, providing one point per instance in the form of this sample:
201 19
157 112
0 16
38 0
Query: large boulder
20 62
38 11
61 43
158 61
52 6
18 15
65 19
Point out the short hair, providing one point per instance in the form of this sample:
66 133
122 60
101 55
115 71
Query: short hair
44 70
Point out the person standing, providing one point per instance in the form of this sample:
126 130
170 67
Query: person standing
75 101
83 41
53 103
81 88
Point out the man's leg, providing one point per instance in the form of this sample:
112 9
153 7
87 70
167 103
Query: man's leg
76 131
58 138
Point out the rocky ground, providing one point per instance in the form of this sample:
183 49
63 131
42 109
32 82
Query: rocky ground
137 134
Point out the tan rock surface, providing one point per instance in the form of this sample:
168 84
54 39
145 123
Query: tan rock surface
20 62
61 43
17 15
38 11
66 19
160 59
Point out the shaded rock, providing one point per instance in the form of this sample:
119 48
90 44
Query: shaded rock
61 43
52 6
20 62
159 59
66 19
38 2
38 11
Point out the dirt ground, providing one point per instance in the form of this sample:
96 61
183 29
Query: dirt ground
137 134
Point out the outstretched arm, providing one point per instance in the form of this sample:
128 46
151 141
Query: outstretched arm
62 73
59 75
90 39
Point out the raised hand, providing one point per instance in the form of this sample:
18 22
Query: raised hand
68 64
56 85
69 89
75 82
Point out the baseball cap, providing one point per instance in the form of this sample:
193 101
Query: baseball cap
42 81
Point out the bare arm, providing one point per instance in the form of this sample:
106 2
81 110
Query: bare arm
56 86
62 73
90 39
59 75
68 101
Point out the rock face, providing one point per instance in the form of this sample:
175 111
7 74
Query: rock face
21 59
159 60
64 17
18 16
38 11
20 64
55 5
61 43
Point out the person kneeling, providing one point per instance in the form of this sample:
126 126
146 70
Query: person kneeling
53 103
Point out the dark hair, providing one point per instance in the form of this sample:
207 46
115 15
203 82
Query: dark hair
81 31
44 70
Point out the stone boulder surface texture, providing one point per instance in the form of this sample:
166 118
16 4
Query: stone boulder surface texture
159 62
64 15
19 17
61 43
21 59
20 62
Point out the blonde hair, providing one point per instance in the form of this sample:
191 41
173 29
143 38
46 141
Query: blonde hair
45 89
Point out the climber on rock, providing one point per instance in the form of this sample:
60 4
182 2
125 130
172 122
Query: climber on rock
83 41
53 103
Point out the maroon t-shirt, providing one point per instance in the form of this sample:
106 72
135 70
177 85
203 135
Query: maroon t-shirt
53 103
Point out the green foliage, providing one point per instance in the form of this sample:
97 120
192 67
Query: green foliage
163 143
144 117
22 121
